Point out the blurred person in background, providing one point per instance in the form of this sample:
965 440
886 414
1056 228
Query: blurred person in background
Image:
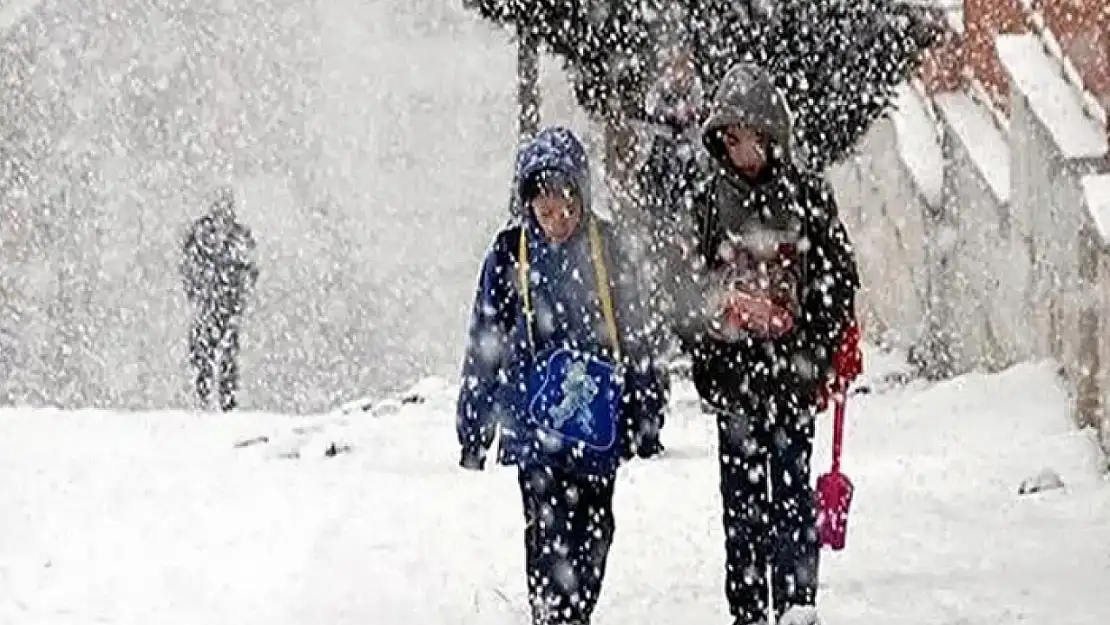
219 274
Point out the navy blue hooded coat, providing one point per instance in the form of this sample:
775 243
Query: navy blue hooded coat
567 310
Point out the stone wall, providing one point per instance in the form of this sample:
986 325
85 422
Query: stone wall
1015 256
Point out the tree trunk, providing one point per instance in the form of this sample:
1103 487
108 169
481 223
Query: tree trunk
528 86
620 168
528 101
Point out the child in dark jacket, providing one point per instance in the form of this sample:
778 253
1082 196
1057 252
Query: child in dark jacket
769 298
558 361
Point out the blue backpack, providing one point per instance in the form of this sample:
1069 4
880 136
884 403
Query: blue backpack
574 399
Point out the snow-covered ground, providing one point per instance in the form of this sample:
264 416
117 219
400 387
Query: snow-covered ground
160 518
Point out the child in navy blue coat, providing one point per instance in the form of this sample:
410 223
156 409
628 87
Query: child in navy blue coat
558 360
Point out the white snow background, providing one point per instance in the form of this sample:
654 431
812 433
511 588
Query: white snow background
147 518
158 518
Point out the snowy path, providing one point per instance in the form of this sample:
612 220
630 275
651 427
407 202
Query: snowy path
156 518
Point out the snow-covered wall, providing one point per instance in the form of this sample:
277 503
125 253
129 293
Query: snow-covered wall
989 262
1057 143
883 201
370 144
1096 190
1016 256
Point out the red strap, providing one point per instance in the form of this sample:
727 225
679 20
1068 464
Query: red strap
848 359
839 400
848 365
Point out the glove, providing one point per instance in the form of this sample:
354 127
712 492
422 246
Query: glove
649 447
847 365
759 316
848 359
645 440
473 459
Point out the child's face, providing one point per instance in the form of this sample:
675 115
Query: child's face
558 216
746 149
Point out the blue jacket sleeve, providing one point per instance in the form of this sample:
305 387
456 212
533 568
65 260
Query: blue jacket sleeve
491 323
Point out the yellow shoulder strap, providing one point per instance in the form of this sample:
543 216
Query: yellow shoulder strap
603 289
523 269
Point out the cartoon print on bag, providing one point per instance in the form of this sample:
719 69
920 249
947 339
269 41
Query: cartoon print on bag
579 391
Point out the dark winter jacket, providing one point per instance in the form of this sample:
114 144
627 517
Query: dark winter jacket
218 268
791 212
673 109
567 311
669 177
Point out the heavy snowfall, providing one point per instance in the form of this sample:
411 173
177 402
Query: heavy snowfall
370 149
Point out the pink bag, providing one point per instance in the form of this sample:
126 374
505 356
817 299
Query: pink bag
834 489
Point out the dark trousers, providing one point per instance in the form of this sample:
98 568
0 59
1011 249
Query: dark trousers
776 527
213 352
567 538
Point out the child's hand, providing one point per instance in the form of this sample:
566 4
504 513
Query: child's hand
757 315
472 461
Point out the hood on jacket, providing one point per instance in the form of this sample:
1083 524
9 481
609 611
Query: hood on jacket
748 97
555 150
